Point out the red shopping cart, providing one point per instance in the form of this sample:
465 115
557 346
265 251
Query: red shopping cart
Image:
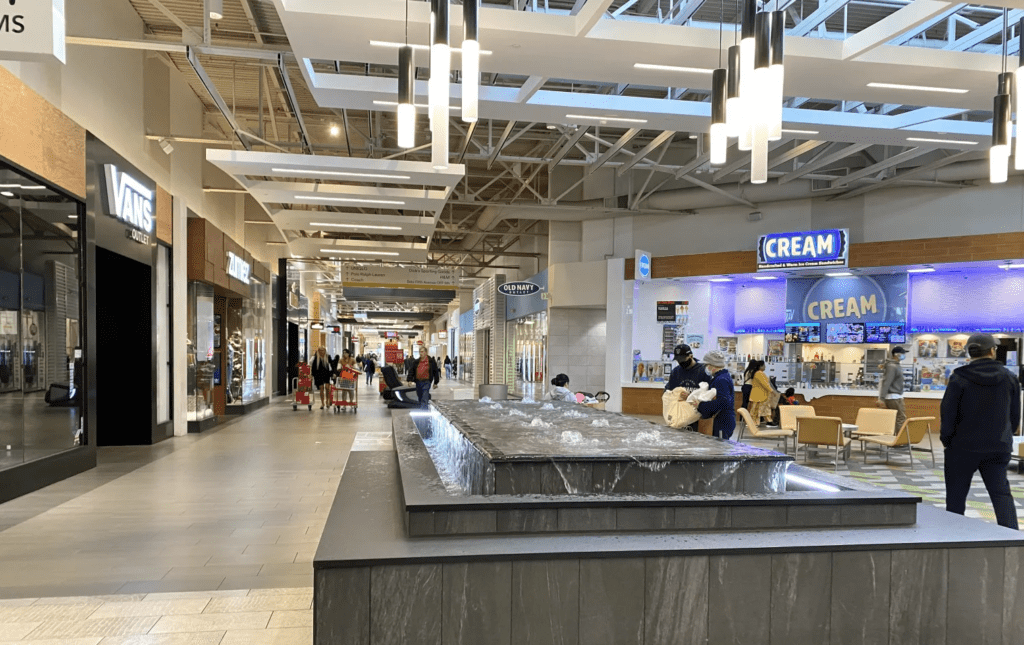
302 386
346 382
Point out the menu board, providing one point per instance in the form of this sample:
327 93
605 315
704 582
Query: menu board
677 311
844 333
669 334
803 333
886 333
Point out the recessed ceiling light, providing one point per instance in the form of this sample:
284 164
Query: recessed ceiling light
368 226
839 274
394 45
1013 265
72 216
7 193
672 68
918 88
923 270
605 118
720 280
335 130
784 130
358 252
350 200
959 142
765 277
339 173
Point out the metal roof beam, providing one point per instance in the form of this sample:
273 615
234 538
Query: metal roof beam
983 33
628 136
574 138
294 103
894 160
218 100
967 155
655 143
913 18
824 11
501 143
823 161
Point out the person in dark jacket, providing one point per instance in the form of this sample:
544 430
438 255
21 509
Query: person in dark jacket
980 412
370 368
423 371
890 386
447 367
321 370
723 404
688 374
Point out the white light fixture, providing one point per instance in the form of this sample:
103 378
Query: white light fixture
720 280
406 98
735 114
788 131
166 146
352 200
719 129
216 9
921 270
470 60
958 142
7 193
761 93
918 88
776 75
1013 265
335 130
999 153
605 118
1018 86
673 68
765 277
72 216
839 274
439 90
392 45
358 252
747 91
339 173
366 226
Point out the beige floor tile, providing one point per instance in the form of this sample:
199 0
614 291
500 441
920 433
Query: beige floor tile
198 638
151 608
287 636
291 618
47 612
268 582
192 595
88 600
212 622
182 573
260 603
17 602
16 631
52 629
63 641
283 591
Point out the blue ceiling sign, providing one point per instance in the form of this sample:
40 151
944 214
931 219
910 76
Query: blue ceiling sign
643 265
810 249
518 289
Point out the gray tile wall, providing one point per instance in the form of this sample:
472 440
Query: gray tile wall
576 346
927 596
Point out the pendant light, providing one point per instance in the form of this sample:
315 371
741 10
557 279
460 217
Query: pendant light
214 7
719 134
999 153
747 73
762 92
406 91
1018 86
440 72
777 76
470 60
734 116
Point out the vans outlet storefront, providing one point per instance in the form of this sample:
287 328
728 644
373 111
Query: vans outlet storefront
824 314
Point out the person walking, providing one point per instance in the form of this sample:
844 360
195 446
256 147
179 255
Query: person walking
760 394
722 408
423 371
371 367
890 389
322 371
347 361
748 383
448 367
980 413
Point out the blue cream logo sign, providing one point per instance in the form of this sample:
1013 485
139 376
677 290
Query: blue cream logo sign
128 200
810 249
518 289
848 299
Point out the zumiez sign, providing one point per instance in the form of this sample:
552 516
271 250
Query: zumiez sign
128 200
810 249
238 268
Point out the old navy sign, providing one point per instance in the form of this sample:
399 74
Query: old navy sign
238 268
128 200
518 289
778 251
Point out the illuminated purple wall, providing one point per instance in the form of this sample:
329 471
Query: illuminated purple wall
754 307
989 300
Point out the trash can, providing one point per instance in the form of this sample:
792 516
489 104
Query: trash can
494 392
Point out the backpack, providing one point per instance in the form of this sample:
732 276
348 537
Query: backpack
423 370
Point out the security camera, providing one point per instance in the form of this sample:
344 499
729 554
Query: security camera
756 216
166 146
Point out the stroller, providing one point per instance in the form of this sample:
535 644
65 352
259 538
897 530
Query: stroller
398 395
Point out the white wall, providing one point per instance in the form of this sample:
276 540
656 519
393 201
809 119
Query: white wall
581 284
576 347
647 331
619 326
564 242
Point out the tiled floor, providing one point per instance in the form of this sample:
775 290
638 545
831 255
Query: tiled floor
209 539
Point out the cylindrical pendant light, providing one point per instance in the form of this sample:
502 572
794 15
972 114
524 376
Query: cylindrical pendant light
470 60
215 8
749 12
719 131
999 154
760 116
734 115
406 98
440 71
1018 86
777 75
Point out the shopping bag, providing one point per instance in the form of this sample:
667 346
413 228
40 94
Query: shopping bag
676 410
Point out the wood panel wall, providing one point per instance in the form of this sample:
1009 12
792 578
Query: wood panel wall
164 216
40 138
208 249
939 250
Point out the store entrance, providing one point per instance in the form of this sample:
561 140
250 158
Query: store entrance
124 341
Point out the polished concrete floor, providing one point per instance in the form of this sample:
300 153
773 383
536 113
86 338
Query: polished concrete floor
207 539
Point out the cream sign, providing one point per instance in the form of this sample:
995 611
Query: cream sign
128 200
32 30
238 268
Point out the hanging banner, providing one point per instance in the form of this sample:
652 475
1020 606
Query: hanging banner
394 277
848 299
806 250
32 30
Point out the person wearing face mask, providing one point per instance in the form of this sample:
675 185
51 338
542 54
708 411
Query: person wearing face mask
688 374
722 408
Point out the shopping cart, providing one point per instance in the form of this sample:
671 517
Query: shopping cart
346 382
302 385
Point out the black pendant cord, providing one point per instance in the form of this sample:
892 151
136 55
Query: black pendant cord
736 31
406 22
721 23
1005 29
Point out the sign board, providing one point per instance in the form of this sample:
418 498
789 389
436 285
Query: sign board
849 299
676 311
238 268
394 277
128 200
32 30
806 250
518 289
642 266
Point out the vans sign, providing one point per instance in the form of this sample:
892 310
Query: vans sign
518 289
32 30
128 200
777 251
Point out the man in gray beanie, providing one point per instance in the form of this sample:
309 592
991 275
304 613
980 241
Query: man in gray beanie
723 405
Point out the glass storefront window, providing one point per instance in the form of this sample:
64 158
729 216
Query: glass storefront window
530 336
247 347
201 356
41 368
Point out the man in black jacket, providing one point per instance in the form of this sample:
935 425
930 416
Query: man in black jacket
423 371
980 413
688 374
